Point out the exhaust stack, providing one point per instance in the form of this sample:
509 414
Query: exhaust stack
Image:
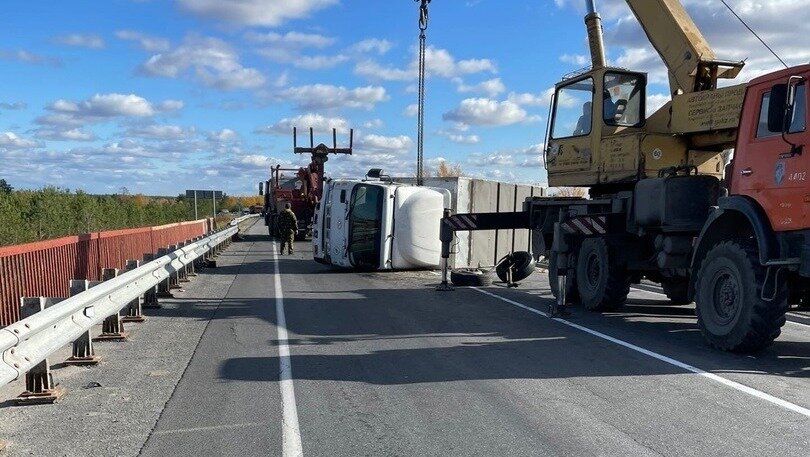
595 39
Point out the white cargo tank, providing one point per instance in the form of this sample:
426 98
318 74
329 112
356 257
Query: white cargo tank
375 224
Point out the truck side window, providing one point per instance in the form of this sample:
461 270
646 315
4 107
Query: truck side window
762 127
343 196
573 110
623 99
799 122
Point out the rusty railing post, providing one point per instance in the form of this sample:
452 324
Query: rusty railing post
39 385
182 275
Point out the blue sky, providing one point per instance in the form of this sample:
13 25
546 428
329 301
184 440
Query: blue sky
163 95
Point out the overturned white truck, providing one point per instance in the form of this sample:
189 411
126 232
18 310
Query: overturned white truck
378 224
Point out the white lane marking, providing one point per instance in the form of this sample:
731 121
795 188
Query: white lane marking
664 295
290 433
734 385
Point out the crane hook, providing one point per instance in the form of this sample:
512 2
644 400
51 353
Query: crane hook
423 14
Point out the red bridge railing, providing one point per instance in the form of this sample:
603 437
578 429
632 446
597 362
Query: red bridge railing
44 269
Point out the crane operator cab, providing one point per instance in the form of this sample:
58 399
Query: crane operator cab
599 133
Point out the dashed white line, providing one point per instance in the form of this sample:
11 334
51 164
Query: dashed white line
727 382
290 432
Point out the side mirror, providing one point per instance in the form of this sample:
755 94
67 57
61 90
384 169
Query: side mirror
777 108
261 188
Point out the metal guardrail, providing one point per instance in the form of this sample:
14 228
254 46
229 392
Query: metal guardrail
239 219
28 342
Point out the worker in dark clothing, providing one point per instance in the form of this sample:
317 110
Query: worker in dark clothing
287 226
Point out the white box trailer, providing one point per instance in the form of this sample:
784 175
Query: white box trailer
472 195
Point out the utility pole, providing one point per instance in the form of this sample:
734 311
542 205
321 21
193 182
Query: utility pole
196 217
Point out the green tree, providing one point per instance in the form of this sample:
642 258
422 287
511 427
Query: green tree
5 188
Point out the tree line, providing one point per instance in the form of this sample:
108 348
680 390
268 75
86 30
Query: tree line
52 212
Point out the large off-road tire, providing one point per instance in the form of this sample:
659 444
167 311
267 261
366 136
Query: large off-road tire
602 283
677 290
521 264
470 277
554 281
731 312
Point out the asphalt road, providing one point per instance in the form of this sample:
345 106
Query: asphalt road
296 357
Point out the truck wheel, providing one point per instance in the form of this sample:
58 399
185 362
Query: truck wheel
554 281
602 284
521 263
731 312
677 290
470 277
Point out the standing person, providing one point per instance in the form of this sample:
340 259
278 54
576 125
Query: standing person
287 226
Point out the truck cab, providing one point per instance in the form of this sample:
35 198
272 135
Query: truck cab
375 224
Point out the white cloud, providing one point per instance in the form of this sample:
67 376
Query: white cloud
656 101
291 39
254 12
146 42
372 45
325 96
575 59
464 139
13 106
481 160
64 135
529 99
29 57
211 61
294 58
438 62
411 110
318 122
484 111
491 87
162 132
10 141
100 108
386 144
373 124
223 136
80 40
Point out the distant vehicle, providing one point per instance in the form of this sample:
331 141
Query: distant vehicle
376 224
302 190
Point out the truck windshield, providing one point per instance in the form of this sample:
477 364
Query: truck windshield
573 106
365 216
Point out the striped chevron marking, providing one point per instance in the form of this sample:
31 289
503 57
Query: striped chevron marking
462 221
586 225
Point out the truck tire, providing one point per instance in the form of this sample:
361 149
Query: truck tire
603 285
677 290
470 277
554 281
731 312
521 264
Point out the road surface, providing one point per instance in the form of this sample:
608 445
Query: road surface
284 356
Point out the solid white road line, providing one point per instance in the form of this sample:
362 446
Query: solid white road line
734 385
290 433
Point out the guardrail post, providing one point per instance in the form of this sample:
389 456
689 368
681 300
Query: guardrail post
83 353
39 385
134 310
182 275
112 329
150 299
192 266
174 278
163 286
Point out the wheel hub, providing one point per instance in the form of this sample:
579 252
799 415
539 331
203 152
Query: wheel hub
726 299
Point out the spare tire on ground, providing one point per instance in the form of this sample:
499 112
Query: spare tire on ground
470 277
521 263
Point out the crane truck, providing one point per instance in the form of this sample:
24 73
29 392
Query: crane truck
304 190
664 206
